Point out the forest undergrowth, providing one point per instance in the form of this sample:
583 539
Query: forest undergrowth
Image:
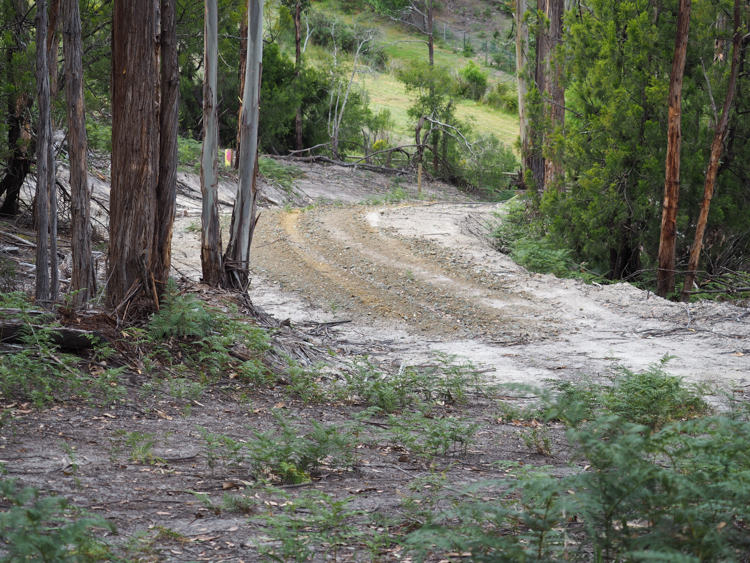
635 466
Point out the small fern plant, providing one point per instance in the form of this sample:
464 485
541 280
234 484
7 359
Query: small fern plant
180 315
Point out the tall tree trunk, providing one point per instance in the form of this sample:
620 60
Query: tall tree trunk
242 70
430 42
553 171
237 257
522 60
541 78
135 146
53 47
166 186
211 230
717 148
43 153
429 12
719 43
298 66
668 240
83 277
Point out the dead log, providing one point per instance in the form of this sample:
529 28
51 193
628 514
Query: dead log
13 331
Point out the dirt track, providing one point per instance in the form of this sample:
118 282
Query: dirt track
418 277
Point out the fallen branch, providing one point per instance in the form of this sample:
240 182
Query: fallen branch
13 331
371 167
18 239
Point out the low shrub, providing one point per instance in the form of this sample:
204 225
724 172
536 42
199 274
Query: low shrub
679 494
501 96
651 398
428 436
472 81
292 454
180 316
39 372
36 528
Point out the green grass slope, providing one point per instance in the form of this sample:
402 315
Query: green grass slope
402 45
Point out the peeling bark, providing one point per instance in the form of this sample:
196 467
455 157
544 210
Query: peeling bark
211 230
540 77
83 277
522 60
668 240
135 146
242 70
717 148
298 66
553 170
166 187
237 257
45 178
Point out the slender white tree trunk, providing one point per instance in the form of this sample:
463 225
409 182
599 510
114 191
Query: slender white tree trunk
211 231
237 258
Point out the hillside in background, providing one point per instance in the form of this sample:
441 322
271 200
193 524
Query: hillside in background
472 30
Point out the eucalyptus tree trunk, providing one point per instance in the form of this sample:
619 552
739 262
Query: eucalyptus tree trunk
522 60
83 277
431 59
237 257
298 66
211 230
135 149
541 76
717 148
242 70
553 170
430 42
668 240
53 47
45 178
166 187
18 163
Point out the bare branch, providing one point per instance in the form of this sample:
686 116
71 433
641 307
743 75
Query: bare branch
710 93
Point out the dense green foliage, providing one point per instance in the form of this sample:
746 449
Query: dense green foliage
473 81
44 529
617 62
680 494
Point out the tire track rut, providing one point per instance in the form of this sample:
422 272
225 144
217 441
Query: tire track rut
335 257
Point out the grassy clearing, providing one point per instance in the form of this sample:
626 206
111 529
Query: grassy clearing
388 93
